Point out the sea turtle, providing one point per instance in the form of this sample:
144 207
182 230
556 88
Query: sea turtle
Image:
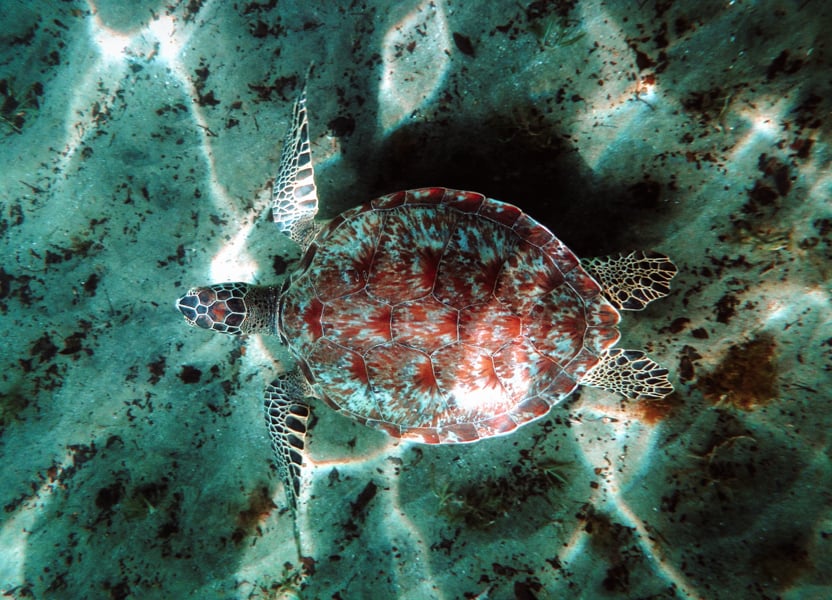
434 314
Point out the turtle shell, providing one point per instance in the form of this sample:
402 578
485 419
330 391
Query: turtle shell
443 316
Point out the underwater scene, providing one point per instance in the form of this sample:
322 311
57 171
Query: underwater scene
450 413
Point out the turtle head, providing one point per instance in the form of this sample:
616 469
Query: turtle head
233 308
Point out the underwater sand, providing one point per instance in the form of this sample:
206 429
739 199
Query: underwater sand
138 142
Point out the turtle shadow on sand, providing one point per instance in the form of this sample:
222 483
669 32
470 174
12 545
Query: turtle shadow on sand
516 156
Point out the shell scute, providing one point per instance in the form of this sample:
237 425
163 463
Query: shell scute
531 231
408 253
388 201
424 435
300 315
466 374
556 324
562 256
500 212
425 196
426 324
351 246
582 363
582 283
527 274
600 313
523 369
497 425
459 433
599 339
472 261
560 386
404 385
357 321
466 202
489 325
340 375
531 408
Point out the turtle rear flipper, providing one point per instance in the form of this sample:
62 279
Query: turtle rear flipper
631 373
294 195
631 281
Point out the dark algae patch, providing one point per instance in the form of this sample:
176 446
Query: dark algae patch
746 378
250 518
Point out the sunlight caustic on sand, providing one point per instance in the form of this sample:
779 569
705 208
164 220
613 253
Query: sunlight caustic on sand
412 69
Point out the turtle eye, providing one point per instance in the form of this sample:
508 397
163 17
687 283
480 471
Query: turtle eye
234 320
236 305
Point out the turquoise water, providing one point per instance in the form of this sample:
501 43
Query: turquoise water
138 143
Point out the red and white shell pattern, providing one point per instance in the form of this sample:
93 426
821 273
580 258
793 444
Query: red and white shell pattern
443 316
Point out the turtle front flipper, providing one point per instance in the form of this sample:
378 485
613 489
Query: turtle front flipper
630 373
286 415
294 195
631 281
